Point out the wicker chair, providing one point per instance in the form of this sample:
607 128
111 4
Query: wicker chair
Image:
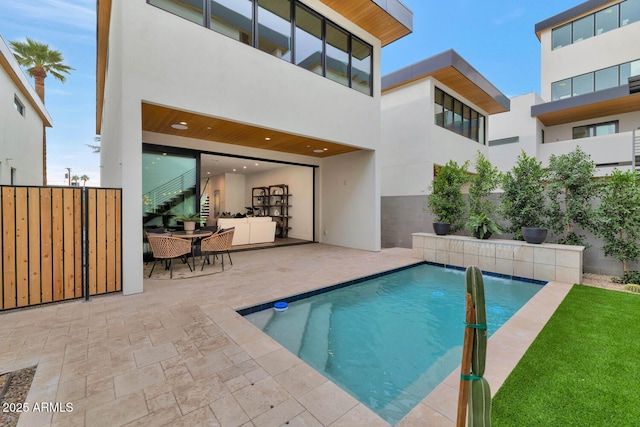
168 248
217 243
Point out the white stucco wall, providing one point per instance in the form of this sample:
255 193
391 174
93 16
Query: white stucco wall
605 50
159 58
516 122
411 143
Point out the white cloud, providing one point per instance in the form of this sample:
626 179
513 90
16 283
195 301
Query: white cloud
77 13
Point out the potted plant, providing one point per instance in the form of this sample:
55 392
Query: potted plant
523 200
445 200
189 221
486 180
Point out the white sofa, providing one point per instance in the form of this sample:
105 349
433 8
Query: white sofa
250 230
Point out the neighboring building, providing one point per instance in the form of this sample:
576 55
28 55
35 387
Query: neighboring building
588 54
294 82
22 121
433 111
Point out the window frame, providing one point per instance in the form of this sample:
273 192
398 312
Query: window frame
19 105
594 127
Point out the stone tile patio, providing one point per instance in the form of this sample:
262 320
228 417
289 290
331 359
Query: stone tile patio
179 354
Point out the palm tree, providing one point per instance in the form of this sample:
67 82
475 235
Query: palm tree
75 178
39 61
84 179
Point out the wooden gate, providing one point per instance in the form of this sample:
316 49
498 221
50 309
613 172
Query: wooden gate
57 243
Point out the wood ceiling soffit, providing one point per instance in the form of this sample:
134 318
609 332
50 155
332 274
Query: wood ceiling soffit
159 119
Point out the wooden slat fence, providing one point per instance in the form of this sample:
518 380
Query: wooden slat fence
57 243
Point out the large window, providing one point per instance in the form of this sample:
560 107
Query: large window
188 9
598 80
452 114
618 15
233 18
313 42
274 28
308 38
598 129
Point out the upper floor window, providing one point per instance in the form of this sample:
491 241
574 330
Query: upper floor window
288 30
452 114
598 129
18 105
590 82
618 15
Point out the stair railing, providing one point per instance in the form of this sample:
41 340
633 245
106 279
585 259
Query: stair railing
168 191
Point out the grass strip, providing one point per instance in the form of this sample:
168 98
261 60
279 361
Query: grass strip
582 368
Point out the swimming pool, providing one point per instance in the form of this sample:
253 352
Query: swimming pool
390 340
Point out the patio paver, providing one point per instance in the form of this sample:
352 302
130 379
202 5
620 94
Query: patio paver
179 354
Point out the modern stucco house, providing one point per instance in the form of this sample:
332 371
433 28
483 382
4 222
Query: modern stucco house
433 111
24 118
588 53
293 82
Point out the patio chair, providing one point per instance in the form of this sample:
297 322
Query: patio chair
168 248
217 243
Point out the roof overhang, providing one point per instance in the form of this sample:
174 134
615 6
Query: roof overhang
102 44
388 20
12 68
570 14
607 102
159 119
452 70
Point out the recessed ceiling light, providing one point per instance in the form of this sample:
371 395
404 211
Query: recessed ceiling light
234 170
244 167
267 139
208 173
164 154
308 146
326 149
257 164
209 127
183 123
179 126
318 151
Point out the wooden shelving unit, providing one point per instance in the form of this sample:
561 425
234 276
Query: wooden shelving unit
273 201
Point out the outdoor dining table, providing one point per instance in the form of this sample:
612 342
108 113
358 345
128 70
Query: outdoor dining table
193 236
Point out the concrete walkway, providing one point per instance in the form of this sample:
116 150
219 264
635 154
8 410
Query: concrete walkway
179 354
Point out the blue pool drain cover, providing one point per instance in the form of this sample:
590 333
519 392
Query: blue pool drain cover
280 306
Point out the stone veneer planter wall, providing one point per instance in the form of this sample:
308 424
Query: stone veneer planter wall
547 262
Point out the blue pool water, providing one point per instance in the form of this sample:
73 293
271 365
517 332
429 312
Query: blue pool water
389 341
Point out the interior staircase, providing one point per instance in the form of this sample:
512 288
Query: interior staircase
159 201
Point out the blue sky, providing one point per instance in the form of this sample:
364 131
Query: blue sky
496 37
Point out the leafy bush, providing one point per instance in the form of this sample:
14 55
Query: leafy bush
571 188
523 200
445 200
618 217
628 277
632 287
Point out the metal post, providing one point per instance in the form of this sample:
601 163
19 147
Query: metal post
85 243
633 149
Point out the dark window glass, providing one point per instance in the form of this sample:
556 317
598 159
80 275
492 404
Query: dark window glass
337 46
583 84
361 64
561 89
582 28
233 18
457 116
18 105
466 121
448 111
438 109
607 78
192 10
598 129
481 129
474 125
274 28
629 12
607 19
308 40
561 36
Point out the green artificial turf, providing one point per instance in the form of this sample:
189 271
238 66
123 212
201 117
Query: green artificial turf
582 369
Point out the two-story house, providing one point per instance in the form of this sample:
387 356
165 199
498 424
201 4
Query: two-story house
294 82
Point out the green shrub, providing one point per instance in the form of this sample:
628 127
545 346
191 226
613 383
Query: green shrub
632 287
445 200
630 277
